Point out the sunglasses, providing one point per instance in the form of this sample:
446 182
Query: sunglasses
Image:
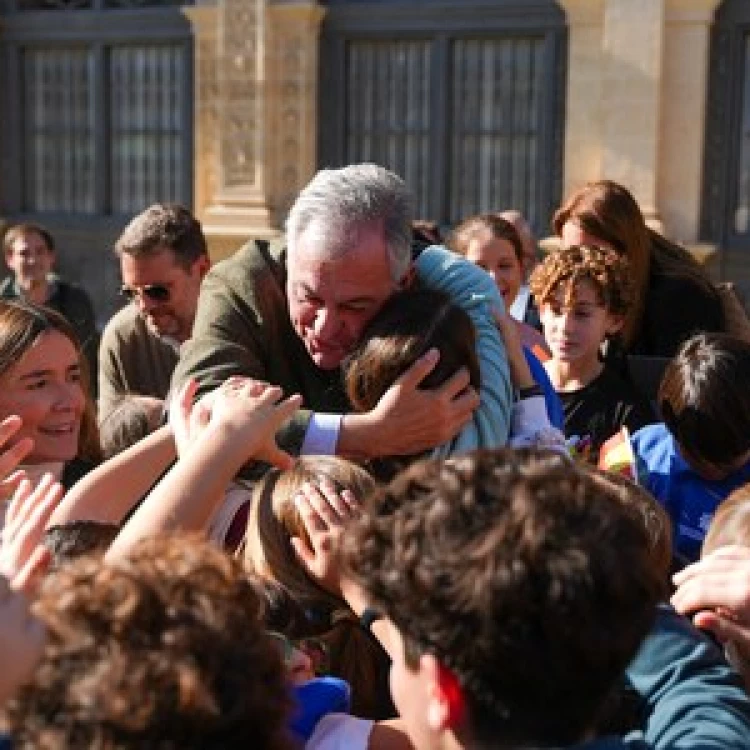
154 292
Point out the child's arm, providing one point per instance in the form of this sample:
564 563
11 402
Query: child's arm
244 417
693 698
107 493
472 289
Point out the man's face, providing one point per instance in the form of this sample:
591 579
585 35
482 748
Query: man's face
170 311
30 260
416 695
331 299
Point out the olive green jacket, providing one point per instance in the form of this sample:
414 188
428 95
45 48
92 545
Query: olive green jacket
242 327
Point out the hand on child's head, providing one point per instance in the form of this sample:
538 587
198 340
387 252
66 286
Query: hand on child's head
22 639
324 511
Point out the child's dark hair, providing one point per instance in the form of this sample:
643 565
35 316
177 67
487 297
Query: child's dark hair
408 325
522 574
74 539
130 419
704 399
605 269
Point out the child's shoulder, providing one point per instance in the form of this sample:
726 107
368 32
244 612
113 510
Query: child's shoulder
654 444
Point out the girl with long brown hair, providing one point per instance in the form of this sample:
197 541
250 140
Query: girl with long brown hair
673 297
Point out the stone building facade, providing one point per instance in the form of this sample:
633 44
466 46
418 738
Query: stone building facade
646 92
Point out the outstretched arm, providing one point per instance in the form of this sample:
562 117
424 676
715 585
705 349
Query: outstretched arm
111 490
472 289
244 416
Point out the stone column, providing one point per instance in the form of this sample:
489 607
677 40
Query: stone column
294 29
584 110
240 206
683 114
203 19
633 45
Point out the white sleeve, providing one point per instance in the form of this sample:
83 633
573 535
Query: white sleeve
322 435
340 732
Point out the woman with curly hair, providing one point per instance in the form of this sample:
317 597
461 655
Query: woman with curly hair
583 295
665 275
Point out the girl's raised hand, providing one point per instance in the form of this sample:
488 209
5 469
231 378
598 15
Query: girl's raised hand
251 412
25 522
10 475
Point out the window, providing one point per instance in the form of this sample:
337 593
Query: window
725 216
102 114
463 99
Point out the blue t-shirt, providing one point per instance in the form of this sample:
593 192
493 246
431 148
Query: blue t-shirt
689 499
316 698
551 399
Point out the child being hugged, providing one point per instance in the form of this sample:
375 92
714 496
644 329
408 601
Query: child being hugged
583 295
700 453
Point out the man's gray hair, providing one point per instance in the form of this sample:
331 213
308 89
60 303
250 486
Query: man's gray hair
340 203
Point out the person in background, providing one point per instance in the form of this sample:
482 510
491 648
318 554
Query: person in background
43 381
700 452
493 244
30 254
163 258
523 307
673 298
583 295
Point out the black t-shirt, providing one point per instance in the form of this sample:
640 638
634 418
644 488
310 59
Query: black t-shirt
601 408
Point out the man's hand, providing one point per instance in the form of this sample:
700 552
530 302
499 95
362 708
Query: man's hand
408 420
716 591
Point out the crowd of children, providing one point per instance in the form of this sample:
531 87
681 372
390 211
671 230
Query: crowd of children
195 585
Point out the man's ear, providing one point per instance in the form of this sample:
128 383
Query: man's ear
203 264
446 706
614 324
408 278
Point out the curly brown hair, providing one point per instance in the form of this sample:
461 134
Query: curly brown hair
567 267
164 649
521 574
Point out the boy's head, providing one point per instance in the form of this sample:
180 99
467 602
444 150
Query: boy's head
406 327
730 523
69 541
704 401
583 294
517 588
30 253
131 418
163 649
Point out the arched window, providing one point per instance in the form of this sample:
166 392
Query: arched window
464 99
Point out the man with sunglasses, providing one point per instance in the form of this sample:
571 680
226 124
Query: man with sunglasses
163 259
290 315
